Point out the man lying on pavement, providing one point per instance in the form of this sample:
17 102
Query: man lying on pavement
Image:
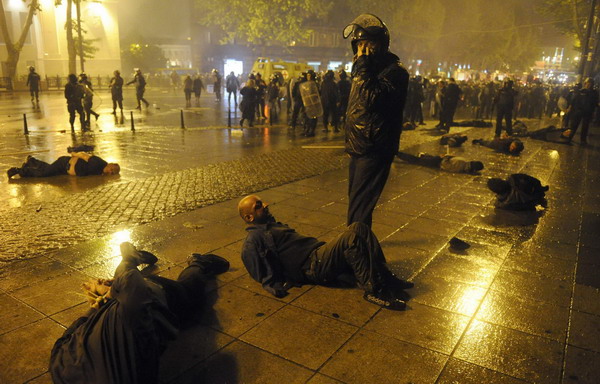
508 145
448 163
279 258
131 320
78 164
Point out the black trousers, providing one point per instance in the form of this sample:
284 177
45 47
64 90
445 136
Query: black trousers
366 180
76 107
38 168
506 115
330 109
576 118
355 251
184 295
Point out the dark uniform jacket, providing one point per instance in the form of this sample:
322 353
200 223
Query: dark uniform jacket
377 98
526 192
505 99
74 93
275 254
585 101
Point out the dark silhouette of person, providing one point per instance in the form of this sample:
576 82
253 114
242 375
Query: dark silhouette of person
74 94
374 117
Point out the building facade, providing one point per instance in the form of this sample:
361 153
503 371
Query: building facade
46 44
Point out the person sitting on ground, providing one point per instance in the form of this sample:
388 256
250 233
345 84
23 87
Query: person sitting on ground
519 192
279 258
448 163
453 139
78 164
508 145
132 318
550 133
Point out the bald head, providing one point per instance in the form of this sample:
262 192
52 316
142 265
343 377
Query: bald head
253 211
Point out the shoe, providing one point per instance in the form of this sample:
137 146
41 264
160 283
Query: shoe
96 116
139 107
114 113
210 264
395 283
458 244
12 171
386 303
128 251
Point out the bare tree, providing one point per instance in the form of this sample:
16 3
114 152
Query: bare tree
14 49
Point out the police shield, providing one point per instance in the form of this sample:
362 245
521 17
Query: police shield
311 99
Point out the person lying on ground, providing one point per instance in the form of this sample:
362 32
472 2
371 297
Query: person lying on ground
78 164
448 163
279 258
453 139
550 133
131 319
519 192
508 145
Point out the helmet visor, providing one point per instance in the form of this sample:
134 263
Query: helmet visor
359 27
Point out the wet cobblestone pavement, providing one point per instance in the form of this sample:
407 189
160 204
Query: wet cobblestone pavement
521 305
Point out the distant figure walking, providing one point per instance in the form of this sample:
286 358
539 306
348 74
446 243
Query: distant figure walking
198 86
33 81
116 91
217 84
188 87
74 94
88 98
140 87
232 84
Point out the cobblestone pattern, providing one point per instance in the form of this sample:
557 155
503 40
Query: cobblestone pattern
27 233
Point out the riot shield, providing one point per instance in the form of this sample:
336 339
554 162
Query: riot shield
311 99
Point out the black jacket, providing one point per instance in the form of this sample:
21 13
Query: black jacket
585 101
274 255
526 192
377 98
505 99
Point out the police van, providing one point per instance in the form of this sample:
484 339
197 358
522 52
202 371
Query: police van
267 67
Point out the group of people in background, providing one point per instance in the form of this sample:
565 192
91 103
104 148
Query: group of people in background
79 93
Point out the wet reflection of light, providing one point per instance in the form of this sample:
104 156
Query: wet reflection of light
116 239
470 299
554 154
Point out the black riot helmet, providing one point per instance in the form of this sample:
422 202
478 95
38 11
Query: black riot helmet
367 27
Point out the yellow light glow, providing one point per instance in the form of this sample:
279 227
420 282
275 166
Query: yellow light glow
554 154
99 10
16 5
116 239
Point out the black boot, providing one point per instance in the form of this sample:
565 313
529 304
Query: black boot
12 172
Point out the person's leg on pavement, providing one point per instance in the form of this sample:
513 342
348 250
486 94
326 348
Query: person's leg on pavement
574 121
81 113
508 117
356 250
585 125
186 295
367 178
499 116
